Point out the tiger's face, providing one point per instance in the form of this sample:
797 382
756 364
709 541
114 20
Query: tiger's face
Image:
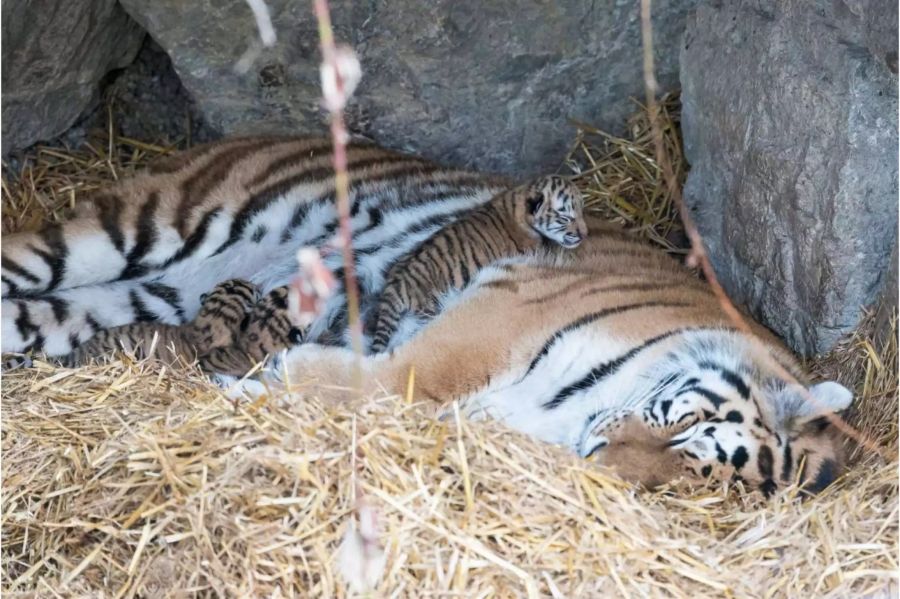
796 442
720 424
555 209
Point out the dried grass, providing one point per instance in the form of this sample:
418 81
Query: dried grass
129 480
619 176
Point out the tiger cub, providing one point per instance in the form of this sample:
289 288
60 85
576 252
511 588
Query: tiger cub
510 224
270 327
218 324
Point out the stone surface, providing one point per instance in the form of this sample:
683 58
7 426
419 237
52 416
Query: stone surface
55 52
473 83
790 127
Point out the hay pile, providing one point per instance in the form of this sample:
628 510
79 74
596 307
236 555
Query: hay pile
128 480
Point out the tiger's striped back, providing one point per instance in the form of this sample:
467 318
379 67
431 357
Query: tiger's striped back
514 222
148 246
218 324
270 328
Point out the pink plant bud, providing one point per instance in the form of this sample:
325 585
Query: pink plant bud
340 76
361 557
310 289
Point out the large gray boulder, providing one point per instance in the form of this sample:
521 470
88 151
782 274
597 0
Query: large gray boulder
55 53
790 127
489 85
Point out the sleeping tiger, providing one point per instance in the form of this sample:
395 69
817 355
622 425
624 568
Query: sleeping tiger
512 223
271 326
612 349
222 312
235 330
146 248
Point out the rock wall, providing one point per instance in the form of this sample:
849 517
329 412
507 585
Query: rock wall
484 84
790 127
55 52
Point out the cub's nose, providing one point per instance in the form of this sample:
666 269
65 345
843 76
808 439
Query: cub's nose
571 240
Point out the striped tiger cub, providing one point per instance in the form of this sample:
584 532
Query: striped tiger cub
512 223
218 324
146 248
269 328
615 350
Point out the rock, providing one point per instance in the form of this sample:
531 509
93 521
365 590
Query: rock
790 128
467 82
151 104
55 53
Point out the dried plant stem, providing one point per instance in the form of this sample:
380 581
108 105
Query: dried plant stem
340 136
697 255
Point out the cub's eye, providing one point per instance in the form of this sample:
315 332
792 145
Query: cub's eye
203 297
565 219
295 336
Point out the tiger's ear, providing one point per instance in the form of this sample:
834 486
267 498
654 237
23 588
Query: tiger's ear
825 399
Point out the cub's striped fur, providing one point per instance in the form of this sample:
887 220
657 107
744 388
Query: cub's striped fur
612 349
146 248
514 222
218 324
270 328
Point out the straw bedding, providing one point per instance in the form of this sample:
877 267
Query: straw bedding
130 480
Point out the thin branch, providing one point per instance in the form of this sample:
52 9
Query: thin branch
340 73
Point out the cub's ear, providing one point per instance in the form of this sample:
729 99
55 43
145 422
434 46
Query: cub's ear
825 399
535 202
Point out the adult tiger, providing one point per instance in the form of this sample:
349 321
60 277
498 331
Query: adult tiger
612 348
148 247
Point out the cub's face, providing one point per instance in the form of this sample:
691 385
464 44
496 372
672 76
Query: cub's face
222 312
556 209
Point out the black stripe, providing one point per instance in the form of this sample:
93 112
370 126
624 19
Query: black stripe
321 148
23 322
787 464
146 236
297 218
109 207
828 472
598 373
167 294
261 200
739 458
54 239
74 341
13 290
729 376
197 187
195 239
92 323
714 398
259 234
18 270
141 313
59 306
589 319
765 461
